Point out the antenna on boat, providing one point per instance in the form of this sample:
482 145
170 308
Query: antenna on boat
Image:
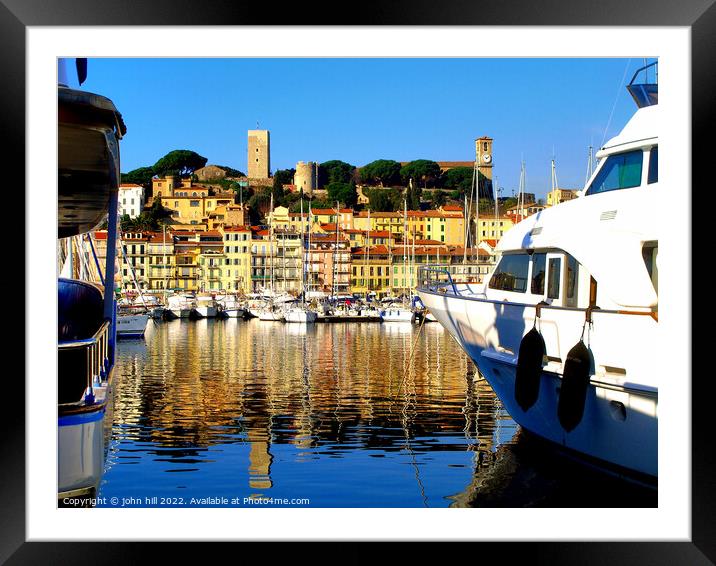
590 165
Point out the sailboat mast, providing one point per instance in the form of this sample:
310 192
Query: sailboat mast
271 243
467 233
367 261
590 166
308 251
303 259
334 286
405 235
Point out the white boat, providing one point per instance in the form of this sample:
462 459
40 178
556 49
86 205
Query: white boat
89 130
181 306
206 306
132 325
300 314
230 306
270 313
564 329
397 313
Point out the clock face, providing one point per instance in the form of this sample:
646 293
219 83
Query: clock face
487 158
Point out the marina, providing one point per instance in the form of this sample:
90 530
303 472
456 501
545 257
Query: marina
373 348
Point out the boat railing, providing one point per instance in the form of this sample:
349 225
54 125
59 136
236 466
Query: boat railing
645 92
93 354
436 279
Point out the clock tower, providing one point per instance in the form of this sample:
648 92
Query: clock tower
483 158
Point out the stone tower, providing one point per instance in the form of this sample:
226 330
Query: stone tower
483 158
305 177
259 158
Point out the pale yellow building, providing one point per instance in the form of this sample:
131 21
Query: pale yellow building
556 196
210 259
186 251
161 261
490 229
236 276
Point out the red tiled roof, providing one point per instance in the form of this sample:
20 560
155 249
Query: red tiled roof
326 211
377 250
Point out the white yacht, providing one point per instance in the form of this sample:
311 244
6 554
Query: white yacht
182 305
565 327
206 306
300 313
231 306
397 312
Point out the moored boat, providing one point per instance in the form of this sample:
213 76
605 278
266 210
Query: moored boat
89 130
132 325
564 328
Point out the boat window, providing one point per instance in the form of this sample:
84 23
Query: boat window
539 266
654 165
553 279
571 291
511 273
650 253
620 171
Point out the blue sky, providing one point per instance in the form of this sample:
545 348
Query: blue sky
358 110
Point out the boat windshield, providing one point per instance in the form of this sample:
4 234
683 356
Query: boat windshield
620 171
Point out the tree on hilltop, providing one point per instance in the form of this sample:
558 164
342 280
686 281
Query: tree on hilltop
422 171
335 171
383 172
180 162
345 193
140 176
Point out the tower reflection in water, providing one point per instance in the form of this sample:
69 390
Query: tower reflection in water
346 415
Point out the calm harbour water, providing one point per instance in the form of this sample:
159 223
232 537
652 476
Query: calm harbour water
338 414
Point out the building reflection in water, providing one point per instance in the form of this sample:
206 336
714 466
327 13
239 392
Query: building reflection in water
251 407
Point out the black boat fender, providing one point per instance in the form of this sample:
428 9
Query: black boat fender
530 361
575 383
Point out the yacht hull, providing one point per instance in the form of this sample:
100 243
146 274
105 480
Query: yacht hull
300 316
132 325
619 424
82 441
397 315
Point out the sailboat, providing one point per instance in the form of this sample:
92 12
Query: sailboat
269 310
130 323
401 312
300 312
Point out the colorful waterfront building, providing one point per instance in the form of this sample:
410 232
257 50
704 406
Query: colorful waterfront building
276 260
134 259
491 228
236 276
186 251
210 261
370 270
161 261
329 263
343 217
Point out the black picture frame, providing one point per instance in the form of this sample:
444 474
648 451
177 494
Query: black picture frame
698 15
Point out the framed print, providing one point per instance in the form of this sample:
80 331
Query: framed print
370 192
